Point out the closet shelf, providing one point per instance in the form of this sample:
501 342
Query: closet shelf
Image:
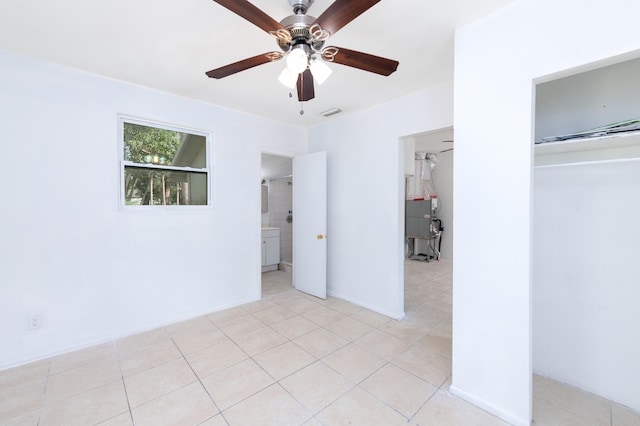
609 147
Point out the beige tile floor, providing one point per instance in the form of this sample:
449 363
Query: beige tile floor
288 359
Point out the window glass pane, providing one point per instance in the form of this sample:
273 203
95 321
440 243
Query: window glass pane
158 187
151 145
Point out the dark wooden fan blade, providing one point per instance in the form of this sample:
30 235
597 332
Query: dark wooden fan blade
245 64
364 61
305 86
341 12
251 13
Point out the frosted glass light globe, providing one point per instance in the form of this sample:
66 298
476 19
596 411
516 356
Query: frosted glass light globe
288 78
320 71
297 60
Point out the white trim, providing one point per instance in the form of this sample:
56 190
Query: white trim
208 169
164 167
490 408
162 124
395 316
262 150
119 334
586 163
278 152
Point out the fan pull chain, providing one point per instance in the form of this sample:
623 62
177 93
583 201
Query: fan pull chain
301 109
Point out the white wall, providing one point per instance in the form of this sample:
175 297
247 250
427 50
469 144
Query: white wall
365 245
585 288
497 58
96 272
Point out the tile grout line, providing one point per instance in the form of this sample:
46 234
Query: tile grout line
317 359
250 357
198 378
44 393
124 386
387 362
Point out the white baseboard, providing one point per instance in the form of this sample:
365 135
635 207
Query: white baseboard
490 408
109 337
396 316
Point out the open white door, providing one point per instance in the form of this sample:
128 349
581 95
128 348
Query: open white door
310 223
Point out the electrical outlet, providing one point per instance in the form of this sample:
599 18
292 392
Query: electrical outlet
35 322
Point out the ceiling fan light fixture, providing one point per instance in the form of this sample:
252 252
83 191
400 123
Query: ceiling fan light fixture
288 78
298 59
320 70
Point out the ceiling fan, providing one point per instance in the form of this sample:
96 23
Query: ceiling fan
301 39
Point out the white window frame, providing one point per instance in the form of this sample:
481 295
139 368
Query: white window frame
122 119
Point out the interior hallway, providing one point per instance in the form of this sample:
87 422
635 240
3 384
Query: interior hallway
288 359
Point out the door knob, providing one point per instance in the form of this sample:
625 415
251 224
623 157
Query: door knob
320 236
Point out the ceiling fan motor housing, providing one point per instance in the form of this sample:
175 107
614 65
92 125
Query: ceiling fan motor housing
300 6
298 26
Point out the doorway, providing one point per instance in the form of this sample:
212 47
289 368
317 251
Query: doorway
429 262
276 174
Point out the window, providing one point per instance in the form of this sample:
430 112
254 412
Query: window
163 166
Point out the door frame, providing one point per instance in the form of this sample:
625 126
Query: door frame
402 140
279 153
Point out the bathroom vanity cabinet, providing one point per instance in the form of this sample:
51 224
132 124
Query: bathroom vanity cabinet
270 249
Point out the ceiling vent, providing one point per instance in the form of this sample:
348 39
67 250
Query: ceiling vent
330 112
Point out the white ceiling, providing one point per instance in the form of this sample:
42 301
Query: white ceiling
168 45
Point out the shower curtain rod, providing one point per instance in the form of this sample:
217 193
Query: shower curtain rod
281 177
